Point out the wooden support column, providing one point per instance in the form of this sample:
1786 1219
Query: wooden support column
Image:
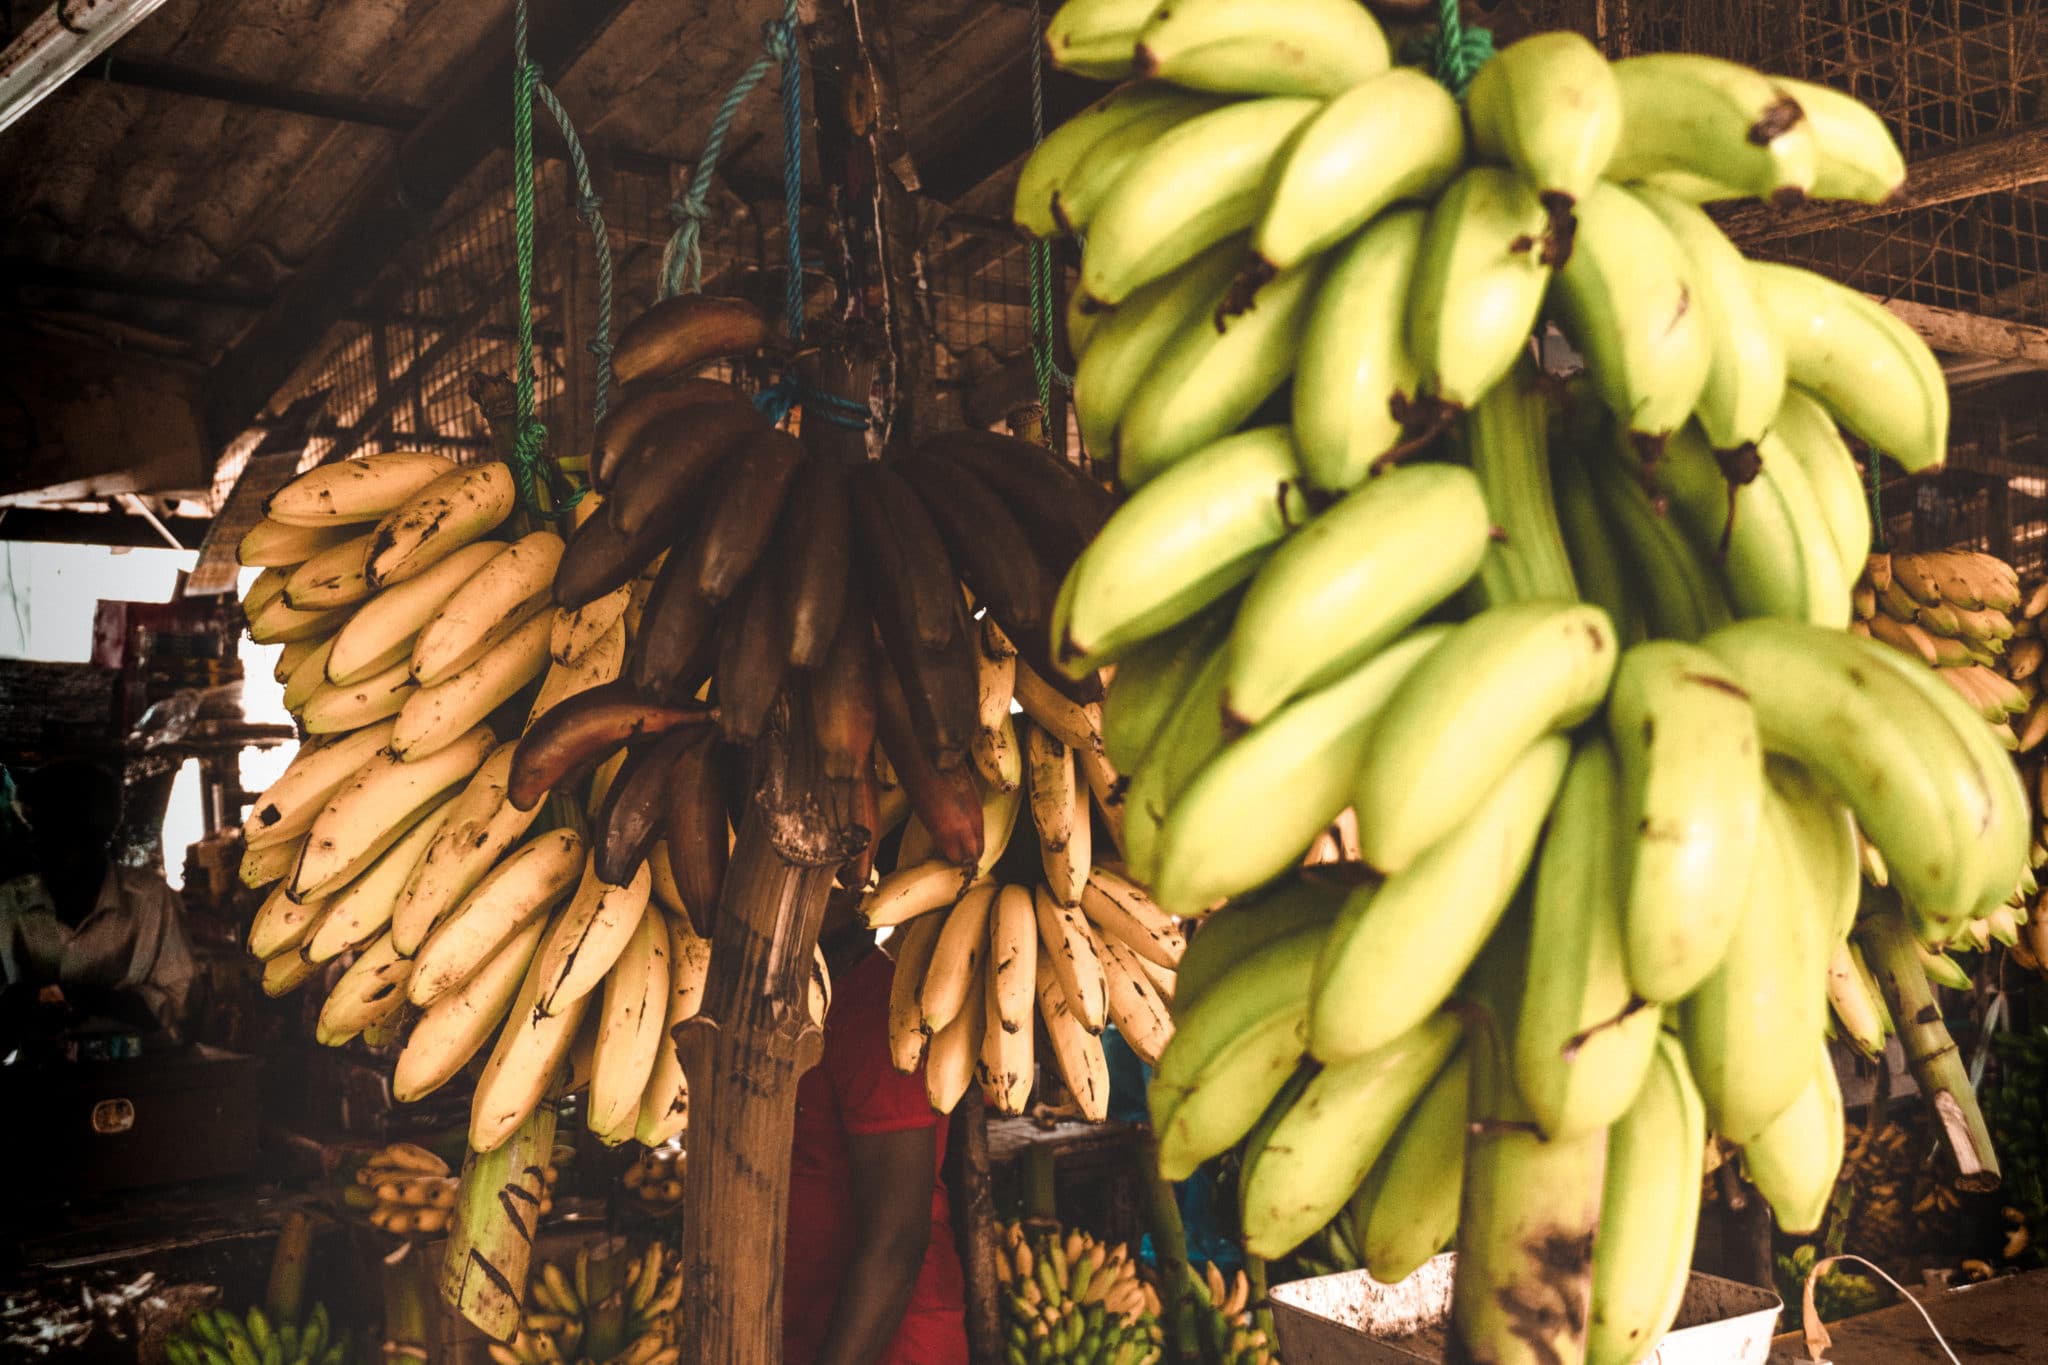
974 1210
873 187
1960 333
745 1052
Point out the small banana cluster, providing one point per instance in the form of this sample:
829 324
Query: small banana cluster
1838 1293
1226 1307
410 1191
656 1178
1951 610
1899 1203
567 1321
215 1336
1073 1301
1043 924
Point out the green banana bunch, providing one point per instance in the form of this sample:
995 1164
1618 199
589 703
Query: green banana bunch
216 1336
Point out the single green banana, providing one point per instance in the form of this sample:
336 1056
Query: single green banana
1836 705
1854 999
1692 794
1485 261
1126 343
1825 843
1318 48
1089 148
1582 1037
1856 356
1097 38
1151 683
1212 374
1468 713
1991 786
1626 299
1714 119
1855 154
1397 951
1081 319
1683 597
1323 1147
1254 809
1414 1213
1526 1225
1185 743
1751 1026
1309 899
1549 106
1183 541
1395 137
1355 379
1649 1213
1507 443
1199 182
1233 1049
1793 1162
1745 383
1600 567
1351 580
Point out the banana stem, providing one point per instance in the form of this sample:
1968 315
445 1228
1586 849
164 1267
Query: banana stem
1041 1198
607 1303
1936 1062
1170 1247
285 1296
1262 1311
497 1210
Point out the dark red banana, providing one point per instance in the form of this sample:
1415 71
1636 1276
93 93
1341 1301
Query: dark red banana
1059 507
599 558
637 409
660 482
581 731
751 663
743 511
841 697
636 803
675 629
867 813
815 545
682 333
909 575
945 799
988 545
695 827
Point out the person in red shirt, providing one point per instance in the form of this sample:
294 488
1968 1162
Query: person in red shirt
870 1275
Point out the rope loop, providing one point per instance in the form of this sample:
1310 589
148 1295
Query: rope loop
778 38
1455 52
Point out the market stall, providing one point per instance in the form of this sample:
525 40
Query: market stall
1223 682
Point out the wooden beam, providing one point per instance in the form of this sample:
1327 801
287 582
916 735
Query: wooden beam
58 44
2005 162
397 205
1960 333
74 527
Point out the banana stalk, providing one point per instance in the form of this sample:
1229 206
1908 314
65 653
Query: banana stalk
1936 1062
489 1254
1170 1243
285 1297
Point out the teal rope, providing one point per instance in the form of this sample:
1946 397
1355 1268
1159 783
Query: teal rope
1455 52
1871 476
590 208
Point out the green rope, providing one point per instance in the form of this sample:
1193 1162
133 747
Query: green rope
530 438
1455 52
1039 254
1871 476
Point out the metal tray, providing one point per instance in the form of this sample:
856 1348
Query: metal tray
1352 1319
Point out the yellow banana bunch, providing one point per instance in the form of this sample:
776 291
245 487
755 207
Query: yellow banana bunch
609 1310
1072 1300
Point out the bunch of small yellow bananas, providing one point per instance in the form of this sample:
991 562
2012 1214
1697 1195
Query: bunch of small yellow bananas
1951 609
656 1177
568 1322
1043 924
1070 1300
1226 1304
403 832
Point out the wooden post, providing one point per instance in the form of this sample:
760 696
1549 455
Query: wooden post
872 185
975 1213
744 1053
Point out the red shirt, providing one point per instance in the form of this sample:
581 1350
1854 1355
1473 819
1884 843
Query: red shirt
855 1088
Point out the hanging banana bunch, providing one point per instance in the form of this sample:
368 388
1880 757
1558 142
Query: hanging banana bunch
1570 653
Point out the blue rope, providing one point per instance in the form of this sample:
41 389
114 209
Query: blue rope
781 38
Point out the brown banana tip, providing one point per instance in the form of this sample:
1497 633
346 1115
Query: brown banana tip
1776 121
1741 464
1787 197
1065 225
1563 231
1143 62
1649 448
1242 296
